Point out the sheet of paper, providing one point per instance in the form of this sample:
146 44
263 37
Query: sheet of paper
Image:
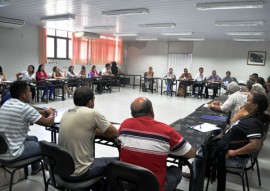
205 127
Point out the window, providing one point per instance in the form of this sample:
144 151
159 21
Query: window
59 44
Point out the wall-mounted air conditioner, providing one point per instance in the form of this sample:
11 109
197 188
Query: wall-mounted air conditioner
86 34
11 23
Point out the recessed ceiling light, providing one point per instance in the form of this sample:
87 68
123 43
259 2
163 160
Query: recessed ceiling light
245 33
249 39
230 5
58 17
191 39
124 34
157 25
146 39
239 23
98 27
120 12
176 33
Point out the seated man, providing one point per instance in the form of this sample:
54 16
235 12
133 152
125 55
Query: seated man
79 126
233 103
244 137
170 76
147 143
228 79
213 83
199 82
185 77
16 115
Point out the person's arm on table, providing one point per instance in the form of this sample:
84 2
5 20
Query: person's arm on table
251 147
110 133
47 121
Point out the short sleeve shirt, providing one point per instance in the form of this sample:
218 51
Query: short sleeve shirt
77 132
15 117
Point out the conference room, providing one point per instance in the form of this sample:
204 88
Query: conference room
158 34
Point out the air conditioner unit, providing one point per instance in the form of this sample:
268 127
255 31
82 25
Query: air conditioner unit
11 23
86 34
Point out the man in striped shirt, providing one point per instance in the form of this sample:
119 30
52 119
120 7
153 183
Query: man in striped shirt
146 142
16 115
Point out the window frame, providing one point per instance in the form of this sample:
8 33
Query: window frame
68 39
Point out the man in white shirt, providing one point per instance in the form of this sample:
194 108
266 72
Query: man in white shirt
199 82
233 103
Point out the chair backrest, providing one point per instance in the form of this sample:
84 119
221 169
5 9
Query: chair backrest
57 160
3 144
127 177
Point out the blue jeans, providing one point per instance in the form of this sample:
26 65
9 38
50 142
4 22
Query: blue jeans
97 168
31 149
236 162
169 85
173 178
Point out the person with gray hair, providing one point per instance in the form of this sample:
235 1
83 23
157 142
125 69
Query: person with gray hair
233 103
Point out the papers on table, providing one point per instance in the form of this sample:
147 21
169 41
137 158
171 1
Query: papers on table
205 127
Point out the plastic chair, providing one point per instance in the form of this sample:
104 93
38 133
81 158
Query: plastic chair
12 167
60 164
124 176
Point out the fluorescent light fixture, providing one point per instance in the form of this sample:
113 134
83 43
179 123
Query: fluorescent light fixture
245 33
98 27
120 12
239 23
249 39
58 17
146 39
11 23
86 34
191 39
176 33
230 5
124 34
4 3
157 25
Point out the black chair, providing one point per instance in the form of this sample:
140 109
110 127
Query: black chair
127 177
60 164
12 167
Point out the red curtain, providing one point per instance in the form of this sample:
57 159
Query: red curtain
81 50
104 51
43 46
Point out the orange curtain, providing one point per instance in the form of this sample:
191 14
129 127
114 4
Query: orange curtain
104 51
119 52
43 46
81 50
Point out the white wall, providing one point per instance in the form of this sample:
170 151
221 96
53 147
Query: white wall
20 47
221 56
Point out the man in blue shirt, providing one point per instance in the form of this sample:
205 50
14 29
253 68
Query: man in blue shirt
213 83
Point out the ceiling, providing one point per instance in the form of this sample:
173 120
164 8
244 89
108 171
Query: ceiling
181 12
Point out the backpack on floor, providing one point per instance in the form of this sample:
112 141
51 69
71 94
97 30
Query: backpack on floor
144 88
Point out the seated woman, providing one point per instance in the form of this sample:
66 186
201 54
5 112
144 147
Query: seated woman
58 75
243 138
170 76
148 78
41 76
94 74
28 76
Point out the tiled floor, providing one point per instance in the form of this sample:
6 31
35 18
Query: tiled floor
116 107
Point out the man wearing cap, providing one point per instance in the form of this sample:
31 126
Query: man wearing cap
233 103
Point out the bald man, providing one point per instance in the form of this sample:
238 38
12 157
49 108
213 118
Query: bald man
146 142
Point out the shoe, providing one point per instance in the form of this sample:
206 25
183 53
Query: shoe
37 170
199 97
193 96
212 97
186 175
51 99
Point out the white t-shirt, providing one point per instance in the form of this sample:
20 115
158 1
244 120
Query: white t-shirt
77 132
233 103
15 118
27 77
199 77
